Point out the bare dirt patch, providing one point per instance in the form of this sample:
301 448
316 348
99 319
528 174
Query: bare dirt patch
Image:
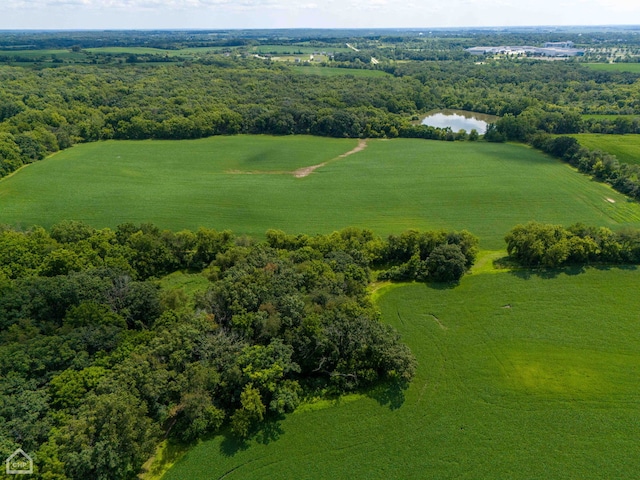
437 320
304 171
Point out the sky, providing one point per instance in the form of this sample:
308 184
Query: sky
230 14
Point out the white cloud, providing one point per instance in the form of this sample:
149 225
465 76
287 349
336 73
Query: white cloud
310 13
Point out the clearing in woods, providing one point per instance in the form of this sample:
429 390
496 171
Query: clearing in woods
389 187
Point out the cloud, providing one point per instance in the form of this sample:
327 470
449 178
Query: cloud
310 13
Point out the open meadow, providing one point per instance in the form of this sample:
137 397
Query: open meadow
247 184
521 376
615 67
336 71
297 49
626 148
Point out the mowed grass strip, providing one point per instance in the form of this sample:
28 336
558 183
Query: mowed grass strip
615 67
389 187
599 116
338 72
626 148
297 49
60 54
152 51
521 376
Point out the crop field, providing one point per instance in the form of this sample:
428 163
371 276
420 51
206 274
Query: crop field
296 49
132 50
521 376
44 55
626 148
335 71
153 51
70 56
615 67
597 116
247 184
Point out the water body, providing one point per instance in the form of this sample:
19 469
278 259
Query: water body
459 120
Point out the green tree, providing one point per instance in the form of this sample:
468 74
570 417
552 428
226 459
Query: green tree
110 437
446 263
252 411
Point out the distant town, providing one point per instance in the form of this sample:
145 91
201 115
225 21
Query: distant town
550 49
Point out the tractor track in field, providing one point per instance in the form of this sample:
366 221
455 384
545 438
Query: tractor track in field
306 171
303 171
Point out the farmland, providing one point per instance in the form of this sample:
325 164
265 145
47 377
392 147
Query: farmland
297 49
615 67
245 183
626 148
520 376
334 71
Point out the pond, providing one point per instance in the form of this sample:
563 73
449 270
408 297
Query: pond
459 120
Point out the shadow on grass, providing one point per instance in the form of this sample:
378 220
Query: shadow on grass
546 273
442 285
389 394
232 444
573 270
264 433
164 459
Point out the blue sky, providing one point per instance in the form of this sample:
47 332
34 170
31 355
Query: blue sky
220 14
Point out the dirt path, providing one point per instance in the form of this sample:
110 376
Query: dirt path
306 171
437 320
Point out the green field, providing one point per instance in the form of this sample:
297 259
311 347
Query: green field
520 376
296 49
152 51
625 147
598 116
80 56
44 55
615 67
335 71
241 183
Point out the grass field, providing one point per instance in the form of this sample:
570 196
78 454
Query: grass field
45 55
297 49
68 55
521 376
240 183
152 51
130 50
626 148
335 71
598 116
615 67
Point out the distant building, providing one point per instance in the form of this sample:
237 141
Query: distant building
559 45
546 51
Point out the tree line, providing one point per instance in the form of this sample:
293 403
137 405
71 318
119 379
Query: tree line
537 244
